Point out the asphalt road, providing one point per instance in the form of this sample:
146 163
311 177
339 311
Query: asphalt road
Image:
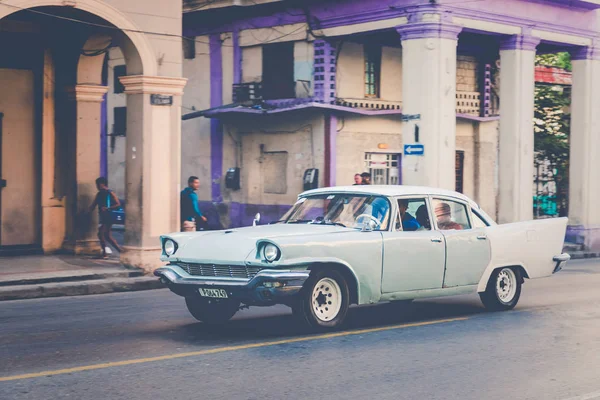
144 345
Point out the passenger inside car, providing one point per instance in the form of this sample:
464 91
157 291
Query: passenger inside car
443 213
423 218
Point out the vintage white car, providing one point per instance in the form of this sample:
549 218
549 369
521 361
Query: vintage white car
361 245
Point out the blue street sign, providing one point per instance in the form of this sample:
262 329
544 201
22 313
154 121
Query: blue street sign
414 149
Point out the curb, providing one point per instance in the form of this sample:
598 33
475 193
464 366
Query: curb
40 279
581 256
81 288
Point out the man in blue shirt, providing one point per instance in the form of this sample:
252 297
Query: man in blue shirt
191 216
409 223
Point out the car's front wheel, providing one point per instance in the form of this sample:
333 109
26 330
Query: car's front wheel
324 300
212 311
503 290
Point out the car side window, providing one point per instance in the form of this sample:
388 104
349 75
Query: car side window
450 215
414 215
478 222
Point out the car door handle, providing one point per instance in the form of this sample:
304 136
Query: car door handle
436 239
481 237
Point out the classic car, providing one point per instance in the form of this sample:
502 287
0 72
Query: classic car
360 245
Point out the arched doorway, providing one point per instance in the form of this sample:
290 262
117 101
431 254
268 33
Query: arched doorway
51 136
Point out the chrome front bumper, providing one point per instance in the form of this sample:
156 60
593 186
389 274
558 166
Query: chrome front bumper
560 261
267 286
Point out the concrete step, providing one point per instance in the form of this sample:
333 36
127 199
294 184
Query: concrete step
67 276
79 288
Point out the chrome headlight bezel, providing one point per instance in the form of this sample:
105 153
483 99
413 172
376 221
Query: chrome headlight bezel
271 253
167 249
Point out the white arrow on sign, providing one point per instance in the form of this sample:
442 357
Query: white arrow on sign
411 149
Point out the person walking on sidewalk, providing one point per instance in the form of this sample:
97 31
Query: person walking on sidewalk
106 201
191 216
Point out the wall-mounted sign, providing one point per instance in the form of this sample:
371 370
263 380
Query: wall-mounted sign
161 100
414 149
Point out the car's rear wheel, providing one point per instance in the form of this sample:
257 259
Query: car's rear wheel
503 290
212 311
324 300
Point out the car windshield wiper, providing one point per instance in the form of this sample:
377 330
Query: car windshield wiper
330 223
299 221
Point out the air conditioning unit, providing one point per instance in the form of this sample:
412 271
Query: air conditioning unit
247 92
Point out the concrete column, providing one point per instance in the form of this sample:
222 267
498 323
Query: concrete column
584 172
429 91
153 167
517 66
82 234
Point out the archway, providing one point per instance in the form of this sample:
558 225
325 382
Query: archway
67 93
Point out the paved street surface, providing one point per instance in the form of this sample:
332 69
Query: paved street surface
547 348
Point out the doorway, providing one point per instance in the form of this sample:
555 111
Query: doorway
384 168
19 222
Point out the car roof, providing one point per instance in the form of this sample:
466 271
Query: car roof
391 191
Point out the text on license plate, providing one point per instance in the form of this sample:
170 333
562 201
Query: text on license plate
216 293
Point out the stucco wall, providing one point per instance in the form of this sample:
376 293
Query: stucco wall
359 135
351 72
300 134
465 141
252 64
115 158
195 133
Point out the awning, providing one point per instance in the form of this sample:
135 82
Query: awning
280 106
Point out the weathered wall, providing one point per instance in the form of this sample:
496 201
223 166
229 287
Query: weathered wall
351 72
465 141
195 133
359 135
115 156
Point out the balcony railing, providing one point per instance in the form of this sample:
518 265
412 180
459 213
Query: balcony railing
468 103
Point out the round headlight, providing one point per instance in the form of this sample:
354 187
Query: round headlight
169 247
271 252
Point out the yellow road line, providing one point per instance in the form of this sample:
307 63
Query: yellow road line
221 350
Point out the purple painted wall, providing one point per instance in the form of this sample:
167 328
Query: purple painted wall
216 128
574 18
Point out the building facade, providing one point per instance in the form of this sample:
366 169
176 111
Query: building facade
277 88
53 75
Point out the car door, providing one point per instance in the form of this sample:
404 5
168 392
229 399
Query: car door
412 260
467 246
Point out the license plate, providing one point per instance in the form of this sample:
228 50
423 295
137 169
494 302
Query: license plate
214 293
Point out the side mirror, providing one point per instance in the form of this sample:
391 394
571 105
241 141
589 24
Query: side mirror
256 219
369 226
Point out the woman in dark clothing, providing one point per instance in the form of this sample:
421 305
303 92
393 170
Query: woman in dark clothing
106 200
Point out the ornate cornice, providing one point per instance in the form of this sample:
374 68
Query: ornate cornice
585 53
520 42
421 30
142 84
87 93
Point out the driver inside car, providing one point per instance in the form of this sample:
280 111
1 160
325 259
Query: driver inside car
379 209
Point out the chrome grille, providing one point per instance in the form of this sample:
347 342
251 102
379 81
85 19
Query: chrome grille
220 271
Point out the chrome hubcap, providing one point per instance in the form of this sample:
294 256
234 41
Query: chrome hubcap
506 285
326 299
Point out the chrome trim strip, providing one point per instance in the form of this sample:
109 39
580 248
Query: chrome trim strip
169 273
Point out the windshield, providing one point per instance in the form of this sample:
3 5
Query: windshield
349 210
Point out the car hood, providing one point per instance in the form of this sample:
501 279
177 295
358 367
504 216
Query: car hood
234 246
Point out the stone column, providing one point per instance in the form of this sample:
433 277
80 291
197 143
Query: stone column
153 165
517 67
584 170
429 95
82 232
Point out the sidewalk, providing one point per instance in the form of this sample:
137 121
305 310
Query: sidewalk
577 253
29 277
